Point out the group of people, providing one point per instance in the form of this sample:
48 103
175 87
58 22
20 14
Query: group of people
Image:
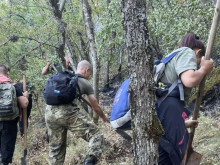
61 118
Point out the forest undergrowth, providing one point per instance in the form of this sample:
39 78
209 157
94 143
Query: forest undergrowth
116 150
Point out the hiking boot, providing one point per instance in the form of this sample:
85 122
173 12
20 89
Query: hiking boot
90 160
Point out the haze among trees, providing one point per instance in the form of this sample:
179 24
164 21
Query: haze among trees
118 37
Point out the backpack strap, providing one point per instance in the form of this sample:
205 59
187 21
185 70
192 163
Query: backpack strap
80 97
77 86
178 82
171 88
167 59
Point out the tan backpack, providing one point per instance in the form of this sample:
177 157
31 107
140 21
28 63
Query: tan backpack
8 102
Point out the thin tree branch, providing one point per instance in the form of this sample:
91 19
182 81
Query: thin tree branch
14 38
21 57
39 41
5 43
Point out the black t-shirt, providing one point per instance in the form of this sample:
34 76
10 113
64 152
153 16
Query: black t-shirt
18 91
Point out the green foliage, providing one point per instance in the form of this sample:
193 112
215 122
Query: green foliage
168 22
212 79
109 34
35 30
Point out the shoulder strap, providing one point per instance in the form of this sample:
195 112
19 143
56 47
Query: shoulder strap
171 88
77 86
175 83
167 59
79 75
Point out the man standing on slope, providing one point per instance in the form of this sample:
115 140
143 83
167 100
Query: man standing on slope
11 97
60 118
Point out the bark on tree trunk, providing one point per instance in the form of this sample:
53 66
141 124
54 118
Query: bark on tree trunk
83 47
106 78
145 124
71 54
61 28
87 15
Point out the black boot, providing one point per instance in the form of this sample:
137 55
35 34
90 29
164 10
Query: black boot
90 160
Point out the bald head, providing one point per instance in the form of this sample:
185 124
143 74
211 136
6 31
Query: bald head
84 68
83 65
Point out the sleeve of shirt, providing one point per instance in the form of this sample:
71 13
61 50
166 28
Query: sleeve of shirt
85 86
18 91
186 60
89 90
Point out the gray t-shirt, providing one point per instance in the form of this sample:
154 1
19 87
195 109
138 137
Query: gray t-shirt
85 87
183 61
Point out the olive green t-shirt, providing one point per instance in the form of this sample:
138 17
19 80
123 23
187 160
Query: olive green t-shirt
85 87
183 61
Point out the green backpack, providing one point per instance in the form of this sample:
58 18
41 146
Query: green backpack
8 102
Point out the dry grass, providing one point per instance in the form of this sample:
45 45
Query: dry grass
116 151
207 139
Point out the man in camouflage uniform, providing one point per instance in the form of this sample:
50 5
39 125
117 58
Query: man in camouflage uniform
61 118
51 68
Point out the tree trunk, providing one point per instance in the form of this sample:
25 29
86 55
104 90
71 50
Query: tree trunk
61 28
106 78
87 15
146 127
62 4
120 63
83 47
71 54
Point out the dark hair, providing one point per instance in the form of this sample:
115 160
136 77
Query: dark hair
192 41
3 69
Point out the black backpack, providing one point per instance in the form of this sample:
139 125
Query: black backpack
61 88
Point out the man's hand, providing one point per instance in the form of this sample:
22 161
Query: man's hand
25 94
105 119
48 63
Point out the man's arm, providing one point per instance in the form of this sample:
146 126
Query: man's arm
45 69
96 107
23 100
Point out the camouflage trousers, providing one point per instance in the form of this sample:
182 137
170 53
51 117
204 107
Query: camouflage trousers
59 120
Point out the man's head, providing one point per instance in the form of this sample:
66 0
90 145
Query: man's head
84 68
4 70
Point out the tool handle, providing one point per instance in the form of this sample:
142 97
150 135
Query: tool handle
87 102
25 115
207 57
